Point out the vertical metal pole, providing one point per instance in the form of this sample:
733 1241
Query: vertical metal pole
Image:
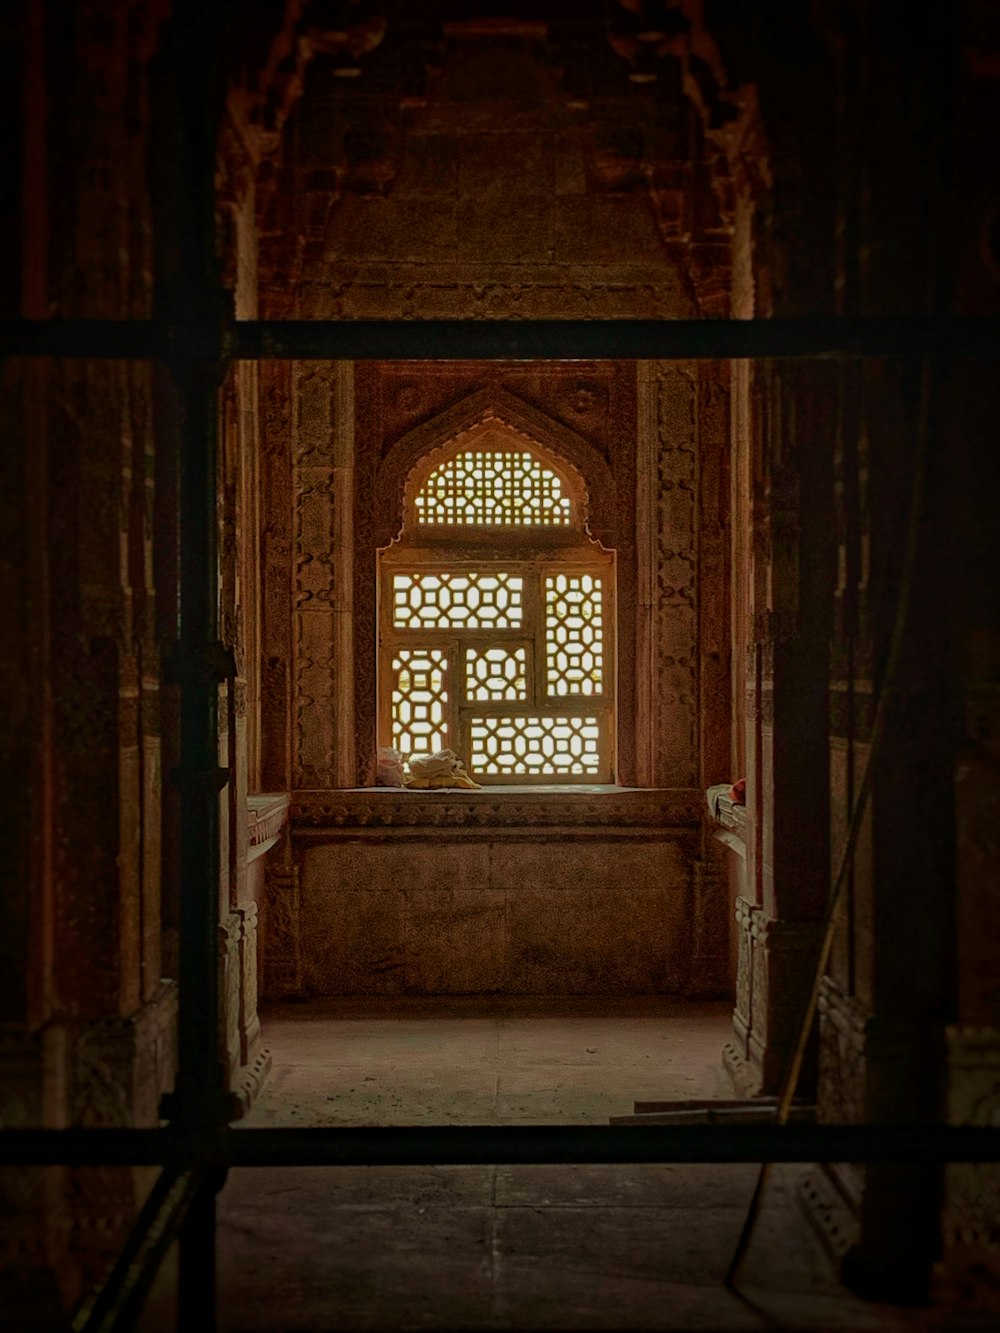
191 300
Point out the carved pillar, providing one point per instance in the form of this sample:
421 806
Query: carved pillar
647 414
283 977
322 577
249 1019
230 931
80 657
787 575
673 564
277 414
345 758
118 1071
682 662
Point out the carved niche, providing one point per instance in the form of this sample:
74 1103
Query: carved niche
383 465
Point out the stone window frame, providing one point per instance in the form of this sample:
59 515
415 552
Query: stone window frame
531 551
381 474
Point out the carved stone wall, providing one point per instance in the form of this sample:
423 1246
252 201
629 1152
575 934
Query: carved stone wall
277 416
314 502
510 133
86 1026
673 557
283 958
472 185
682 648
486 892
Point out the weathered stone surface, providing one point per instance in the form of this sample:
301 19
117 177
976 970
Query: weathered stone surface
399 912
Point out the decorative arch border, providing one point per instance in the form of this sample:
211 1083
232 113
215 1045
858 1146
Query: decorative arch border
472 439
383 473
448 432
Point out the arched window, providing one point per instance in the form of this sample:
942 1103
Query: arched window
496 618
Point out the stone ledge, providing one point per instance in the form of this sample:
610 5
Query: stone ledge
250 1079
267 815
577 809
744 1075
829 1210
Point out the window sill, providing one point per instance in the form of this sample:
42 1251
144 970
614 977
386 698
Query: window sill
733 818
582 808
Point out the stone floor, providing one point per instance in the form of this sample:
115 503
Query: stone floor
468 1061
504 1248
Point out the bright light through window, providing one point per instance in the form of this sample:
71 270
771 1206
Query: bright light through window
493 487
503 656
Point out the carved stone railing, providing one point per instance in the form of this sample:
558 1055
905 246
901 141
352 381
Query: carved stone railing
267 815
732 816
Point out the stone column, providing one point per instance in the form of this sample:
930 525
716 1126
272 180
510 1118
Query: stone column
322 577
682 665
786 722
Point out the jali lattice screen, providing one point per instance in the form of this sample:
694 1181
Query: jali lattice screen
493 674
468 600
493 487
574 634
540 744
503 658
420 700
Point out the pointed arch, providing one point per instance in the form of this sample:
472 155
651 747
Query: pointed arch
584 463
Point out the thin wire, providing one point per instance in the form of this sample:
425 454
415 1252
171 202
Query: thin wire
831 920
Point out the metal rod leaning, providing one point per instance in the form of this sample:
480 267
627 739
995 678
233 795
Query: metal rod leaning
118 1303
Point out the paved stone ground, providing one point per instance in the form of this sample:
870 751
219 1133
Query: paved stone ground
472 1061
504 1248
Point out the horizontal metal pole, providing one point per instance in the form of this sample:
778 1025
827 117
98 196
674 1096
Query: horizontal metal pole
665 339
93 1147
502 340
468 1145
91 339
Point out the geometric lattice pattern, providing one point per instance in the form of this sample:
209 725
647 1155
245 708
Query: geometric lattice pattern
535 745
496 675
462 601
574 634
493 487
419 700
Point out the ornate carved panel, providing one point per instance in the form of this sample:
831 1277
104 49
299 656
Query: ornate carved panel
492 808
276 414
283 956
675 566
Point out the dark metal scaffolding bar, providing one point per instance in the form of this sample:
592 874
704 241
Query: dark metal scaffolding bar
813 337
194 310
469 1145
